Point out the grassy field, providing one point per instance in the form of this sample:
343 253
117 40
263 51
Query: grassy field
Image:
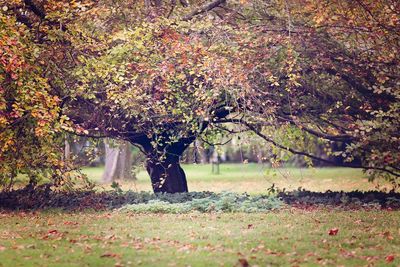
283 238
255 178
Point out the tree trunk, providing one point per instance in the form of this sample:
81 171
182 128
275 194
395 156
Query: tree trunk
111 160
67 150
163 162
118 163
124 163
167 175
201 152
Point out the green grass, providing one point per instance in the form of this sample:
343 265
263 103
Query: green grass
282 238
287 237
255 178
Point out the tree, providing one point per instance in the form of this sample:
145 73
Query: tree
160 73
118 162
140 83
28 111
334 77
146 90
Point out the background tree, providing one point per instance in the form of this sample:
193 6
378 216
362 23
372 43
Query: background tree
330 70
118 162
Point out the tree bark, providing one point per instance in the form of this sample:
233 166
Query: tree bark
163 163
118 163
67 150
166 174
111 160
124 163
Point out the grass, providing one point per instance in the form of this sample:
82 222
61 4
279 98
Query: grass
286 237
283 238
256 178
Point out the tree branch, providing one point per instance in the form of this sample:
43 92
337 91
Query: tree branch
87 135
342 138
266 138
202 9
36 8
23 19
357 85
215 144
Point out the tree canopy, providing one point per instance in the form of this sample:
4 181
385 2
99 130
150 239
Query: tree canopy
159 74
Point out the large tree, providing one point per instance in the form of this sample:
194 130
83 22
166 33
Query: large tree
331 70
160 73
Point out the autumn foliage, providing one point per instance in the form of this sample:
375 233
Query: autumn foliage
28 110
299 74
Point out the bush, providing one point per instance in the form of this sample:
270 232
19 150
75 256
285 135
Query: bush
158 206
206 202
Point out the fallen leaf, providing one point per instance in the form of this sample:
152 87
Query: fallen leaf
2 248
250 226
389 258
109 255
70 223
243 263
388 236
53 231
333 231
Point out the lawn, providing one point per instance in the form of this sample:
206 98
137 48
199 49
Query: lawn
288 237
255 178
285 237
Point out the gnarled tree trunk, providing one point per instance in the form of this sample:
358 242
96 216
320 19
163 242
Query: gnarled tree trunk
166 174
163 164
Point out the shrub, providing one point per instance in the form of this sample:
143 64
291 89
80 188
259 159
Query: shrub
206 202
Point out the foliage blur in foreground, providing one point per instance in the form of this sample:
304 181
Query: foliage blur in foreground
161 74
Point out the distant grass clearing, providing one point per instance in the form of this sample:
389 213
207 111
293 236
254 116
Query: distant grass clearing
256 178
